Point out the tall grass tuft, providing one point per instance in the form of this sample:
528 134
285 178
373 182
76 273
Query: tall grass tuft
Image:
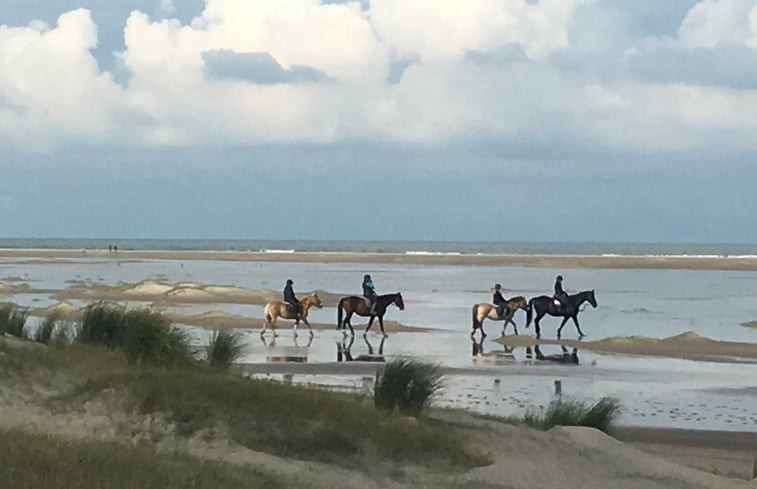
224 348
65 332
12 320
571 412
406 385
102 324
148 337
44 332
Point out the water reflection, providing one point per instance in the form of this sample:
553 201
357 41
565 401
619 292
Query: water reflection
564 357
505 353
344 351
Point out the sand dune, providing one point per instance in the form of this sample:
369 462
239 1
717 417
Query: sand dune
689 346
182 293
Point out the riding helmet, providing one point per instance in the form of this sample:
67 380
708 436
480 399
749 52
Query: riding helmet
367 277
497 286
290 282
559 278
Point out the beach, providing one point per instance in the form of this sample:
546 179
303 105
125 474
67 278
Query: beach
743 263
677 357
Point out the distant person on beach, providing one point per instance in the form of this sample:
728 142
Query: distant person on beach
560 297
289 298
369 292
115 247
499 301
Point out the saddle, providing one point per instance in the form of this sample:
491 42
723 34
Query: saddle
291 309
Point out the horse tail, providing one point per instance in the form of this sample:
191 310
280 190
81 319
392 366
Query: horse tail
475 316
529 312
339 314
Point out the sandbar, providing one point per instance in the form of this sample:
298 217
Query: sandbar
689 346
535 261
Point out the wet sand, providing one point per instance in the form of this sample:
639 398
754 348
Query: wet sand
538 261
688 346
750 324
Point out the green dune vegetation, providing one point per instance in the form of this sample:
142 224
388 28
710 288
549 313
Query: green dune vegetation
121 399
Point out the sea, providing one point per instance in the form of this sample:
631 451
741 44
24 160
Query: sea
408 247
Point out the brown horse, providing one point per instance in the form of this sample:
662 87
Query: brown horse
356 305
278 309
489 311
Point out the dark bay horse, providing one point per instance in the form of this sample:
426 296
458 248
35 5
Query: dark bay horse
545 305
489 311
356 305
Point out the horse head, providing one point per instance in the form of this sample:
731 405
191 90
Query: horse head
592 299
316 300
399 302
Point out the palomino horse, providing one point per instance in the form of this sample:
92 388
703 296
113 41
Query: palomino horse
356 305
546 305
278 309
489 311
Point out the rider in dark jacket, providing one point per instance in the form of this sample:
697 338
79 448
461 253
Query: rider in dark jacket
560 297
499 301
369 292
290 299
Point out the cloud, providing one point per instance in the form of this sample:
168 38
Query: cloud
713 22
410 72
256 68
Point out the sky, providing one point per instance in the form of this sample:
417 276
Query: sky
480 120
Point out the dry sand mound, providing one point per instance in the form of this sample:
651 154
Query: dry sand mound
686 345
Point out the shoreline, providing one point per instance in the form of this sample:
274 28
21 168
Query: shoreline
530 261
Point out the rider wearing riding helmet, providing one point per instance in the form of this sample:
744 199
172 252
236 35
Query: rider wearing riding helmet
560 297
499 301
290 298
369 292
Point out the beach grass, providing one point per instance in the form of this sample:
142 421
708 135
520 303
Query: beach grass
102 324
46 462
148 337
572 412
44 333
267 416
406 385
224 348
12 320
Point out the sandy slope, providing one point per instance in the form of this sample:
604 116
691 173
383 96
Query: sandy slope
522 457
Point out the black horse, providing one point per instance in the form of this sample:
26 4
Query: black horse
546 305
356 305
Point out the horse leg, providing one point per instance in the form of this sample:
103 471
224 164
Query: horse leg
296 323
273 326
381 323
304 320
537 325
575 321
348 322
370 323
559 330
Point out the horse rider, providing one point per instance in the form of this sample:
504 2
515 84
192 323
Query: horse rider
499 301
369 292
291 300
560 298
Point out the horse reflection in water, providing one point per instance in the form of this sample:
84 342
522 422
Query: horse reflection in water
479 353
295 338
564 357
344 351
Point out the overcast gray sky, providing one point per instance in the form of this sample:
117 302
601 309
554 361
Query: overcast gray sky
549 120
